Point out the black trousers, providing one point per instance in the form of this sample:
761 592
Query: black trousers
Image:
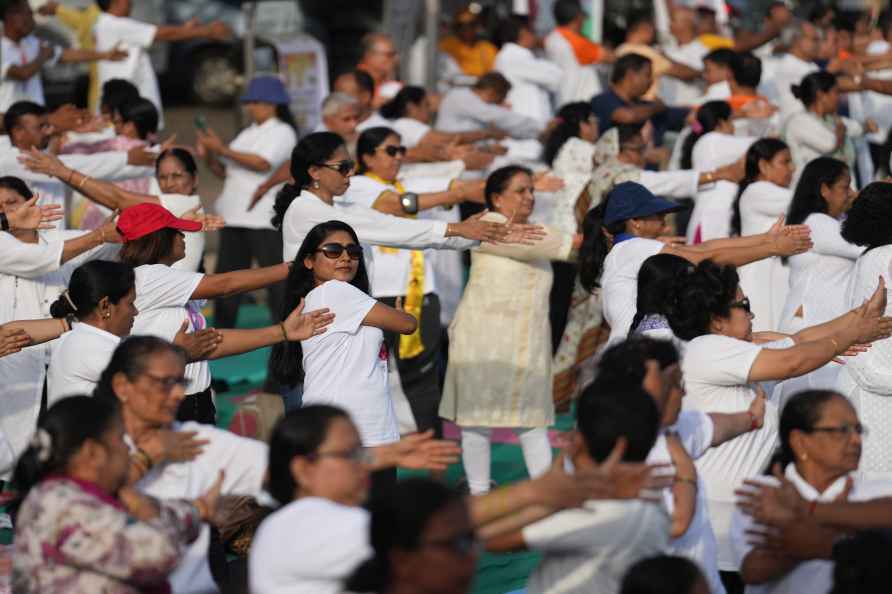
559 300
198 407
419 376
239 248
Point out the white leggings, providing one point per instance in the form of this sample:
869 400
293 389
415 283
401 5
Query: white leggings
476 454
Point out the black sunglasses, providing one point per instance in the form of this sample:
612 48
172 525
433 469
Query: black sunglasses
334 250
343 167
393 151
743 304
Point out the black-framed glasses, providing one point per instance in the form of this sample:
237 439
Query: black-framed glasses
393 151
844 430
743 304
343 167
168 383
334 250
359 455
463 544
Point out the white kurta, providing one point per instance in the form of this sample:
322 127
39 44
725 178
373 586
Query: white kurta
810 137
532 79
711 217
578 82
767 281
778 77
574 164
504 380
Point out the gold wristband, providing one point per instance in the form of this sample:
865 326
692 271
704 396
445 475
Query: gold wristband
284 332
144 457
835 345
686 479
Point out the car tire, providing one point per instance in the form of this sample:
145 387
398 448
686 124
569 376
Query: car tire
215 77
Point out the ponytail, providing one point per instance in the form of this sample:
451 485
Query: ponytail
709 116
595 245
397 107
764 149
91 283
283 113
312 150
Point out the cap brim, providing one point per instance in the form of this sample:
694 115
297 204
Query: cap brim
185 225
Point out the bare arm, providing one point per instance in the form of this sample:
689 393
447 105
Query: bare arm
76 55
390 319
39 331
760 566
635 114
27 71
682 72
192 30
240 281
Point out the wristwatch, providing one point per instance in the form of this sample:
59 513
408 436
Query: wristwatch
409 202
4 222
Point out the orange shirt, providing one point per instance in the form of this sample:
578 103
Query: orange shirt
474 60
586 50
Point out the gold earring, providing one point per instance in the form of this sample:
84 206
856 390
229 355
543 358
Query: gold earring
107 315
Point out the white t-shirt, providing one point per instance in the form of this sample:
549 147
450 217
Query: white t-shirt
136 37
619 282
244 460
77 360
19 54
310 546
807 576
392 268
715 370
347 365
587 550
411 131
273 140
163 297
695 430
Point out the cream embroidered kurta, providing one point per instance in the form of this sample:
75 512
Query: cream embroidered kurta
504 380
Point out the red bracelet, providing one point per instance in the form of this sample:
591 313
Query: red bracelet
753 421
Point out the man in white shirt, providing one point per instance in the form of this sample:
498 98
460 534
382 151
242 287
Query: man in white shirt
23 56
380 59
360 85
780 74
687 50
340 114
115 29
580 80
533 80
587 550
29 129
481 107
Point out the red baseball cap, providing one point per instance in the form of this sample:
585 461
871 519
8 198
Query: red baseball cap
142 219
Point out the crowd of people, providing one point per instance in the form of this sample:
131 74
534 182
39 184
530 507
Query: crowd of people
680 237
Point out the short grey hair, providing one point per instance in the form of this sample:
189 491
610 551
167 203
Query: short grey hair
336 102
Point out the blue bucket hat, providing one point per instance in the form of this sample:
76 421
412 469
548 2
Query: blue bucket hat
266 89
629 200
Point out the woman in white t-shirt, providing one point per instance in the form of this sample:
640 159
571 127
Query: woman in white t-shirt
177 177
821 441
721 363
348 366
763 196
167 298
248 161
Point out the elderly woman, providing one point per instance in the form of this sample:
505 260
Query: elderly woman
821 439
80 529
722 363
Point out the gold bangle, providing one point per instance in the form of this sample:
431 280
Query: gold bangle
284 332
686 479
146 459
835 345
80 186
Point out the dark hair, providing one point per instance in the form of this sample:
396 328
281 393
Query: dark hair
746 69
605 415
396 108
7 7
570 117
299 433
626 64
284 115
801 413
624 364
868 221
764 149
142 113
364 80
819 12
627 132
807 90
498 181
18 110
116 92
709 116
639 18
131 358
566 11
180 154
722 56
706 292
657 285
663 574
89 284
400 515
104 4
493 81
807 199
861 563
368 142
311 150
18 186
150 248
884 23
509 29
595 246
69 423
286 359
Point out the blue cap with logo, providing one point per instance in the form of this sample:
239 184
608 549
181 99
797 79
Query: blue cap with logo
629 200
266 89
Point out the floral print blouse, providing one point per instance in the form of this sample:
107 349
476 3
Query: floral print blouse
73 538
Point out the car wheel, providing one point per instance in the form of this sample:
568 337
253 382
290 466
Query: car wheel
215 78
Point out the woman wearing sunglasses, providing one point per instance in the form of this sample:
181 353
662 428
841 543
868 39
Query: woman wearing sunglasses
821 440
722 364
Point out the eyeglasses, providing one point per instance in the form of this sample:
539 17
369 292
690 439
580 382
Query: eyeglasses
343 167
463 544
358 455
167 383
393 151
845 431
333 251
743 304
